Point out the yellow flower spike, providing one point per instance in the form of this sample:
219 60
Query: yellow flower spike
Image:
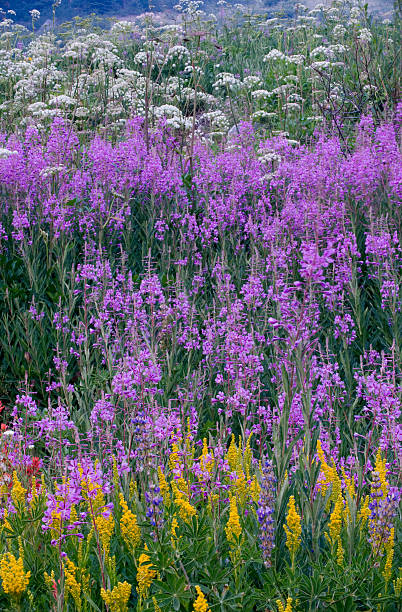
174 457
398 584
50 580
231 455
117 598
129 527
72 586
18 492
380 467
173 528
15 580
164 487
288 608
335 521
186 510
241 488
292 529
105 527
389 550
156 607
364 513
145 575
255 490
6 524
200 604
206 464
116 478
233 528
132 488
331 477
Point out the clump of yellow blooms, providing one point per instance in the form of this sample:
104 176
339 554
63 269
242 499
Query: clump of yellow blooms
233 528
292 529
129 527
174 459
156 607
117 598
255 490
18 492
200 604
72 586
331 477
105 527
207 463
288 608
145 575
364 512
380 468
335 527
186 510
389 550
15 580
50 579
164 487
241 488
173 528
398 584
234 455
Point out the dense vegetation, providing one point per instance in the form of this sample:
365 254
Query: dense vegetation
200 313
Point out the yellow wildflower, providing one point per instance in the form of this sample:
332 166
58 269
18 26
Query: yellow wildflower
335 522
145 575
117 599
292 529
174 457
233 528
129 527
364 512
241 488
281 607
132 488
15 579
50 580
380 468
331 477
186 510
200 604
398 584
72 586
105 527
206 464
255 490
17 492
389 550
156 607
164 487
231 456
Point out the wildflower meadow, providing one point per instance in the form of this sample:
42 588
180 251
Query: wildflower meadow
200 311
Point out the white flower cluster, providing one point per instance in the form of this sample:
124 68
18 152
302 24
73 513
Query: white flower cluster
365 36
228 81
274 55
173 115
178 53
252 81
6 153
216 120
